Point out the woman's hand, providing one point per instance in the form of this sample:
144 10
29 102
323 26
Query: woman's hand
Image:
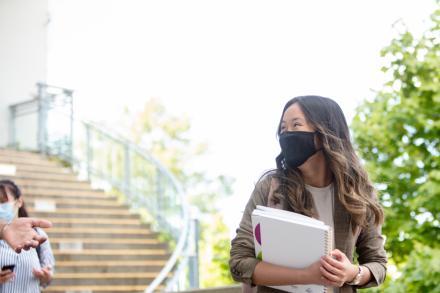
43 274
314 275
6 276
337 269
20 233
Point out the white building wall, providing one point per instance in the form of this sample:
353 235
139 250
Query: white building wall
23 57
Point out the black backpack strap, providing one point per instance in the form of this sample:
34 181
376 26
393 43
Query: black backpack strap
38 248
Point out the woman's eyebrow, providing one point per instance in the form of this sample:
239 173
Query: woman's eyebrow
292 120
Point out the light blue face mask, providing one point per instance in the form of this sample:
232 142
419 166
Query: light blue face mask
7 212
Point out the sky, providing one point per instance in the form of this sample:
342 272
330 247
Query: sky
229 65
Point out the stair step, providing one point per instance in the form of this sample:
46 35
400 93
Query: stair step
61 191
142 278
73 215
31 161
84 235
103 196
68 186
86 211
70 177
79 204
93 230
110 269
105 275
37 182
35 167
73 201
102 221
96 288
98 266
97 224
107 240
118 263
106 243
14 152
23 154
111 254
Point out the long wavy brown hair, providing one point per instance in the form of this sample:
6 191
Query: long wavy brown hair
351 184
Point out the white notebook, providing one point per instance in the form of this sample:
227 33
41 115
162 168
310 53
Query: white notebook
291 240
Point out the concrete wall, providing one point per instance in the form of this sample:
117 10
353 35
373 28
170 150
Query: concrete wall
23 55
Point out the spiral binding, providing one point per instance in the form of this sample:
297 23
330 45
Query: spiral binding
328 244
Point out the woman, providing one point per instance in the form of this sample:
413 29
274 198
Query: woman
319 175
30 269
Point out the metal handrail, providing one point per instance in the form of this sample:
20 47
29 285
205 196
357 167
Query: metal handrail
181 242
43 138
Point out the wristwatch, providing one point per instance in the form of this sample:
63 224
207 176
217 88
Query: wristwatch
357 278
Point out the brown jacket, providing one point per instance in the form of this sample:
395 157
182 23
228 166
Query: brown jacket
368 242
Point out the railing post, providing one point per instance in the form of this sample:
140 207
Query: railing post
71 159
194 256
89 152
127 172
12 118
42 119
159 192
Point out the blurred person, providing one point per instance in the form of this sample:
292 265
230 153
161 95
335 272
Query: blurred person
28 271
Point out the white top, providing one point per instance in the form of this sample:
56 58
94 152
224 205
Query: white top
25 281
323 198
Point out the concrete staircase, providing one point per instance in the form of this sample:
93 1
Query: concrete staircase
99 246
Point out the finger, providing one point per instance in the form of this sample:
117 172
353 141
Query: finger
331 269
328 275
333 262
7 276
40 239
28 245
37 273
338 254
327 282
41 223
3 279
32 243
46 273
18 248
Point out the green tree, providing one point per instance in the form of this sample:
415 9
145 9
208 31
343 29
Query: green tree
215 272
398 135
168 138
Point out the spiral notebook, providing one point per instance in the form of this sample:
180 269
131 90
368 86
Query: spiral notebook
292 240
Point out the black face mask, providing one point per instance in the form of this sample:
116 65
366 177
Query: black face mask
296 148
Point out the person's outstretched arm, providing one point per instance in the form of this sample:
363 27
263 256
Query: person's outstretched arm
20 233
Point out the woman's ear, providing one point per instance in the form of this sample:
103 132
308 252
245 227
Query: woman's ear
318 141
19 202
